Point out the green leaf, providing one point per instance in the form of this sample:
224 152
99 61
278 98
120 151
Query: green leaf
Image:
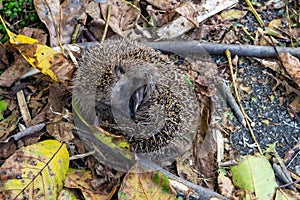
3 106
255 174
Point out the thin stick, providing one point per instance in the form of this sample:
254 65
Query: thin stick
255 13
227 52
106 24
195 48
23 107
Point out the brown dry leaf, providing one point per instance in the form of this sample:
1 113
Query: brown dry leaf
13 73
62 131
122 15
93 10
292 66
60 20
160 18
140 184
232 14
294 107
274 65
287 194
292 151
190 18
190 11
167 5
82 179
7 149
275 23
225 185
185 166
3 58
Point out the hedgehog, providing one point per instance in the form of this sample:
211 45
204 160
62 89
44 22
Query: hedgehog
134 91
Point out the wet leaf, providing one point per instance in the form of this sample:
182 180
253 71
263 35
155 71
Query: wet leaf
35 171
42 57
145 185
255 174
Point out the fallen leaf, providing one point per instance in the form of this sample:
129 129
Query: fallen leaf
42 57
200 12
35 171
122 15
225 185
82 179
138 184
294 107
68 194
167 5
232 14
286 194
275 23
292 66
62 131
292 151
255 174
60 19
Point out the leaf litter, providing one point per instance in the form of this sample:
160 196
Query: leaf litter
169 19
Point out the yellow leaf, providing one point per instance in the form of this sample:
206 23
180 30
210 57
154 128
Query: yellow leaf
35 172
41 57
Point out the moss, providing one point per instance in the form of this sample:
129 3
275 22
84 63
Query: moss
19 13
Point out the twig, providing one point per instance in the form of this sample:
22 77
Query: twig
28 131
255 13
226 94
106 24
227 52
75 34
23 107
188 48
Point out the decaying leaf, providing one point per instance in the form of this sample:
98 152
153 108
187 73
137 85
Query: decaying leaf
35 171
62 131
225 185
286 194
145 185
292 66
42 57
197 13
60 19
165 4
122 15
82 179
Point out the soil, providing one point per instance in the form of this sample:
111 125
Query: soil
282 129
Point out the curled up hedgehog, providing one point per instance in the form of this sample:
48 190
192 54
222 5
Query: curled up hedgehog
135 92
